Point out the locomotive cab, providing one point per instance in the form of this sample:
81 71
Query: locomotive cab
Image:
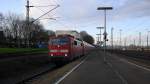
59 48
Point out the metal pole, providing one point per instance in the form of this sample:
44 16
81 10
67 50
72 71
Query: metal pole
148 39
105 35
120 39
125 41
112 37
134 43
140 39
100 36
27 21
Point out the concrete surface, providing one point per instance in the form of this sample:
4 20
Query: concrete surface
115 71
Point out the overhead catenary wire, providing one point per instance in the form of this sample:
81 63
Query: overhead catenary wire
45 6
38 7
52 18
28 6
45 13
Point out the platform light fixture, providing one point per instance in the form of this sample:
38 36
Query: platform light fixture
105 33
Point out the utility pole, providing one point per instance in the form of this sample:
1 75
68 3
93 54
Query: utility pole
28 22
148 39
112 37
134 43
125 42
28 18
140 39
105 32
120 43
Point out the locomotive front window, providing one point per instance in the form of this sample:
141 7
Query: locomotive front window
59 41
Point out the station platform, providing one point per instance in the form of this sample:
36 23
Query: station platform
93 71
115 70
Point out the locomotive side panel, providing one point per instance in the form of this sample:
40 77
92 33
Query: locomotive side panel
66 48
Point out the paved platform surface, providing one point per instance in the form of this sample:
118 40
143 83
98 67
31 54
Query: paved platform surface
115 71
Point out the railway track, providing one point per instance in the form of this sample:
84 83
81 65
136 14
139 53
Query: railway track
19 56
52 74
20 68
35 75
141 59
26 77
133 53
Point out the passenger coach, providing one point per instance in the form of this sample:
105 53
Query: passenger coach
64 48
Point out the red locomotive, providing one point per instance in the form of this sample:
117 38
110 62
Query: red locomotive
64 48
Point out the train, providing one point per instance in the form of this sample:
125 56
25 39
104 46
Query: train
65 48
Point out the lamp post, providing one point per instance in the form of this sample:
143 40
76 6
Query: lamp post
105 33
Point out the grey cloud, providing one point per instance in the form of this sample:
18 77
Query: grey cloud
133 9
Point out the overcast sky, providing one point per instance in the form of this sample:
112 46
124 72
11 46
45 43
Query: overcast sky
132 16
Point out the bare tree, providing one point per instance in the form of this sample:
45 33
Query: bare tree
13 22
16 32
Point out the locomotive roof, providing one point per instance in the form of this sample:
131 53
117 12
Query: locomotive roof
65 35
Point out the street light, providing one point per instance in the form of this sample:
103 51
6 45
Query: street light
105 33
104 8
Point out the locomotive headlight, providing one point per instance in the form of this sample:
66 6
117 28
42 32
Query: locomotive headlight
66 55
51 54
